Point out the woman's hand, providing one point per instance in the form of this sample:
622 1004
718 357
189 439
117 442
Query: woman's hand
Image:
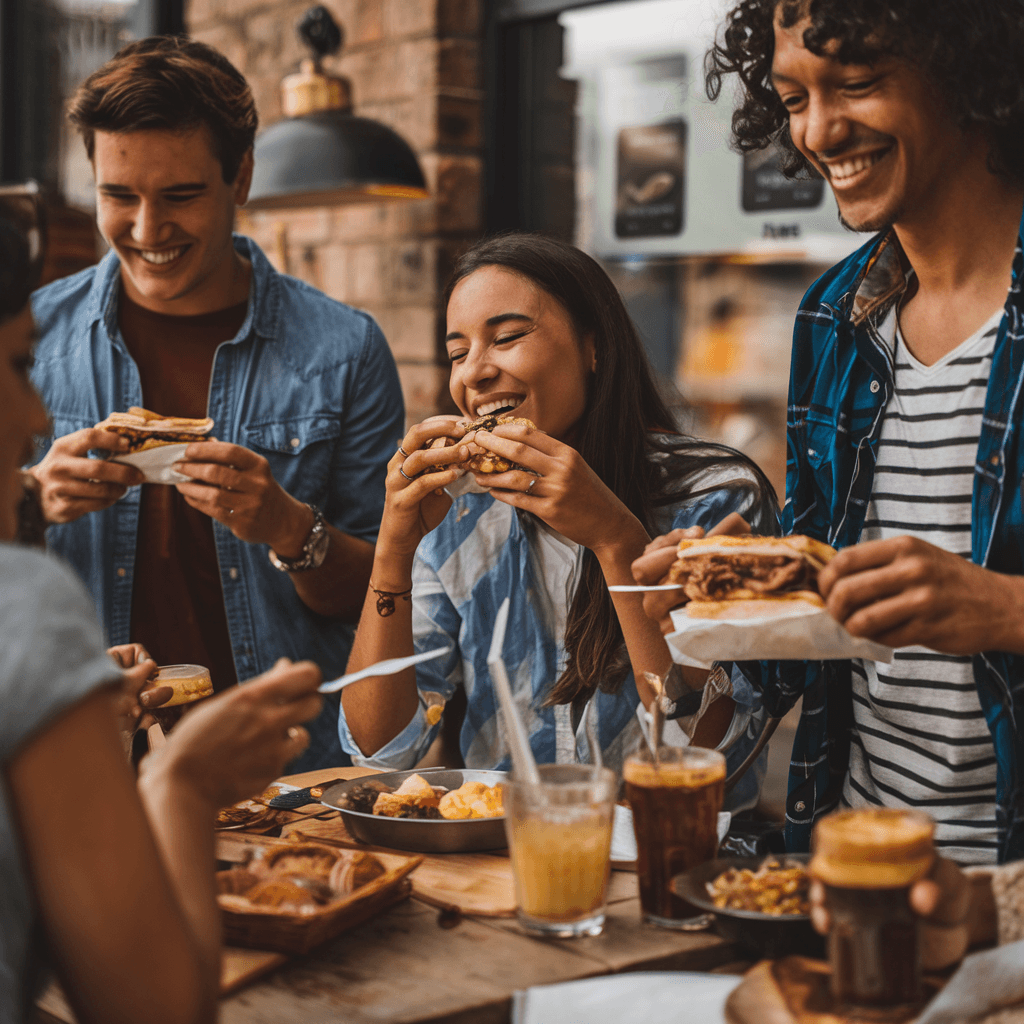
415 504
236 743
653 565
135 694
565 492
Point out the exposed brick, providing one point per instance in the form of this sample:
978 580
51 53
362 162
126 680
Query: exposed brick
411 332
415 119
459 18
334 271
313 226
458 63
227 40
410 271
364 222
459 122
417 66
409 17
366 272
425 389
457 191
367 23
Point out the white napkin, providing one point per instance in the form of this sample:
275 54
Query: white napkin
985 982
158 463
813 636
653 997
624 839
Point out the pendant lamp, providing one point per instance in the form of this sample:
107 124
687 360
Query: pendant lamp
320 154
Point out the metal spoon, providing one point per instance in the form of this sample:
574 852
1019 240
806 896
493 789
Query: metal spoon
383 668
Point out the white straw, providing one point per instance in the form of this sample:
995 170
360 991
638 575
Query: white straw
522 756
641 714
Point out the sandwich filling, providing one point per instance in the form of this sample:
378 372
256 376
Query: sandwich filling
724 569
480 459
145 429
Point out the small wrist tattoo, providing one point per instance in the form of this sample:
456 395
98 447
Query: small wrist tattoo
386 600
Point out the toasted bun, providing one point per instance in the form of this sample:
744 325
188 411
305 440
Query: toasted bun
481 460
145 429
814 551
799 602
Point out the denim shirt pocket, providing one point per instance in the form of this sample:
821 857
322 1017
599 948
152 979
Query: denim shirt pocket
299 451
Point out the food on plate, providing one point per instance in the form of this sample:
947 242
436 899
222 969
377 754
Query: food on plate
145 429
748 577
472 800
414 792
480 459
416 798
297 878
244 815
774 888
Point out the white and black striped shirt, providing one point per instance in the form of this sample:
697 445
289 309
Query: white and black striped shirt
919 737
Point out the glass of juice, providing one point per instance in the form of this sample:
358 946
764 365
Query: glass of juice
559 838
675 802
190 683
868 859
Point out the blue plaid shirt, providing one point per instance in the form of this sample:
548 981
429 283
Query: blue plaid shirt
841 381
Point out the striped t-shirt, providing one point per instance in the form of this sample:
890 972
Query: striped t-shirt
919 737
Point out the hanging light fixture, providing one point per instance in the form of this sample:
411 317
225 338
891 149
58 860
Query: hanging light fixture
320 154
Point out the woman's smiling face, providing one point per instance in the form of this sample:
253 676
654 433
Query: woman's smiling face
513 346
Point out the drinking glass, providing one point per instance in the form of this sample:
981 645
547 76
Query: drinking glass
675 802
190 683
559 839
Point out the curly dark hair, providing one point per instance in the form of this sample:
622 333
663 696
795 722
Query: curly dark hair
971 50
627 437
174 84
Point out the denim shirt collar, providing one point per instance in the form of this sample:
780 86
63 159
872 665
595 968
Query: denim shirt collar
262 317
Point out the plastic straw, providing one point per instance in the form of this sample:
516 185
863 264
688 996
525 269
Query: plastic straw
522 756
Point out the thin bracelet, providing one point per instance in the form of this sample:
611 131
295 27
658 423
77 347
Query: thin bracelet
386 600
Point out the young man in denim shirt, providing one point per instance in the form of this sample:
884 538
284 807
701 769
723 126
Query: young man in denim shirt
905 402
265 552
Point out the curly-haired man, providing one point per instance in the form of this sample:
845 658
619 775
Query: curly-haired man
905 415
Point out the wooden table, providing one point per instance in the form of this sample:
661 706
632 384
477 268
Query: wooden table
405 967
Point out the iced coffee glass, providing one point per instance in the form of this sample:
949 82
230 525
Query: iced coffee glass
190 683
675 803
559 838
868 859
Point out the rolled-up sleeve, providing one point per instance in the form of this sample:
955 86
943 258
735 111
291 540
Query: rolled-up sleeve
435 623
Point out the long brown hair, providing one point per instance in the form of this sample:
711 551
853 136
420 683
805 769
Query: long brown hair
626 436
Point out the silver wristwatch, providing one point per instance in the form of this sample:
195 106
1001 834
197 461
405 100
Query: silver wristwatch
314 551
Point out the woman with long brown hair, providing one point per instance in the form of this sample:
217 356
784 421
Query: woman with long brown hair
535 328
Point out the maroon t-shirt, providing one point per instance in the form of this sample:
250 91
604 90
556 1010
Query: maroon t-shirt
177 601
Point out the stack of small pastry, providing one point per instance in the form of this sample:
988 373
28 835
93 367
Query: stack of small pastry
297 879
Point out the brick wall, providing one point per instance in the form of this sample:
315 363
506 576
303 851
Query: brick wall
413 65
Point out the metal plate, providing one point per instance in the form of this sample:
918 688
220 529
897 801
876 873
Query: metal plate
421 835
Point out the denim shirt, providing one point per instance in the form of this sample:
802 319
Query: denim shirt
308 383
840 385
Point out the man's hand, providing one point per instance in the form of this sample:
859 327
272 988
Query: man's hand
653 565
134 695
235 486
71 485
905 591
956 911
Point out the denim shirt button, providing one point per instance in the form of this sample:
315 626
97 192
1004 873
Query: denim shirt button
799 806
122 572
295 442
994 460
233 573
875 387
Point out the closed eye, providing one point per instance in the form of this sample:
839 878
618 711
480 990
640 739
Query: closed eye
510 337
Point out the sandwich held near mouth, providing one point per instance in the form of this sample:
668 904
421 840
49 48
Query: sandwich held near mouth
750 577
481 460
145 429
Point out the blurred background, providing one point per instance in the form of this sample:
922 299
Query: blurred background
583 120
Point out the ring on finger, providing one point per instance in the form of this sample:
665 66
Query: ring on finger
406 475
530 488
231 511
403 452
293 732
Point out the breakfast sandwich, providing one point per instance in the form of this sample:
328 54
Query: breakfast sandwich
749 577
145 429
480 459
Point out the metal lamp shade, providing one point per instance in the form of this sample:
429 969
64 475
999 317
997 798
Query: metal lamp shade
329 158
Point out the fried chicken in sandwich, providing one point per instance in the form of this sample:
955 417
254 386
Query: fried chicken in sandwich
749 577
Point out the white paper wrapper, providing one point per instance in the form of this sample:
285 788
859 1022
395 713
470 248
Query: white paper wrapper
813 636
158 463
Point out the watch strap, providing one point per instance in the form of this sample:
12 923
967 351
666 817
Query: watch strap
314 550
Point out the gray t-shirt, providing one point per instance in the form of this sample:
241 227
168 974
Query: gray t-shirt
52 654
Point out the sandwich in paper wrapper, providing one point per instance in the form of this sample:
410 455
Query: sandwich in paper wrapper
754 599
155 442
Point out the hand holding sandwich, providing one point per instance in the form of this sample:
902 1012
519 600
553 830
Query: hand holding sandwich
906 591
236 487
72 485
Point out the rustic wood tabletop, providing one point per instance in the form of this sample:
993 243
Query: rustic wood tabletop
421 960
